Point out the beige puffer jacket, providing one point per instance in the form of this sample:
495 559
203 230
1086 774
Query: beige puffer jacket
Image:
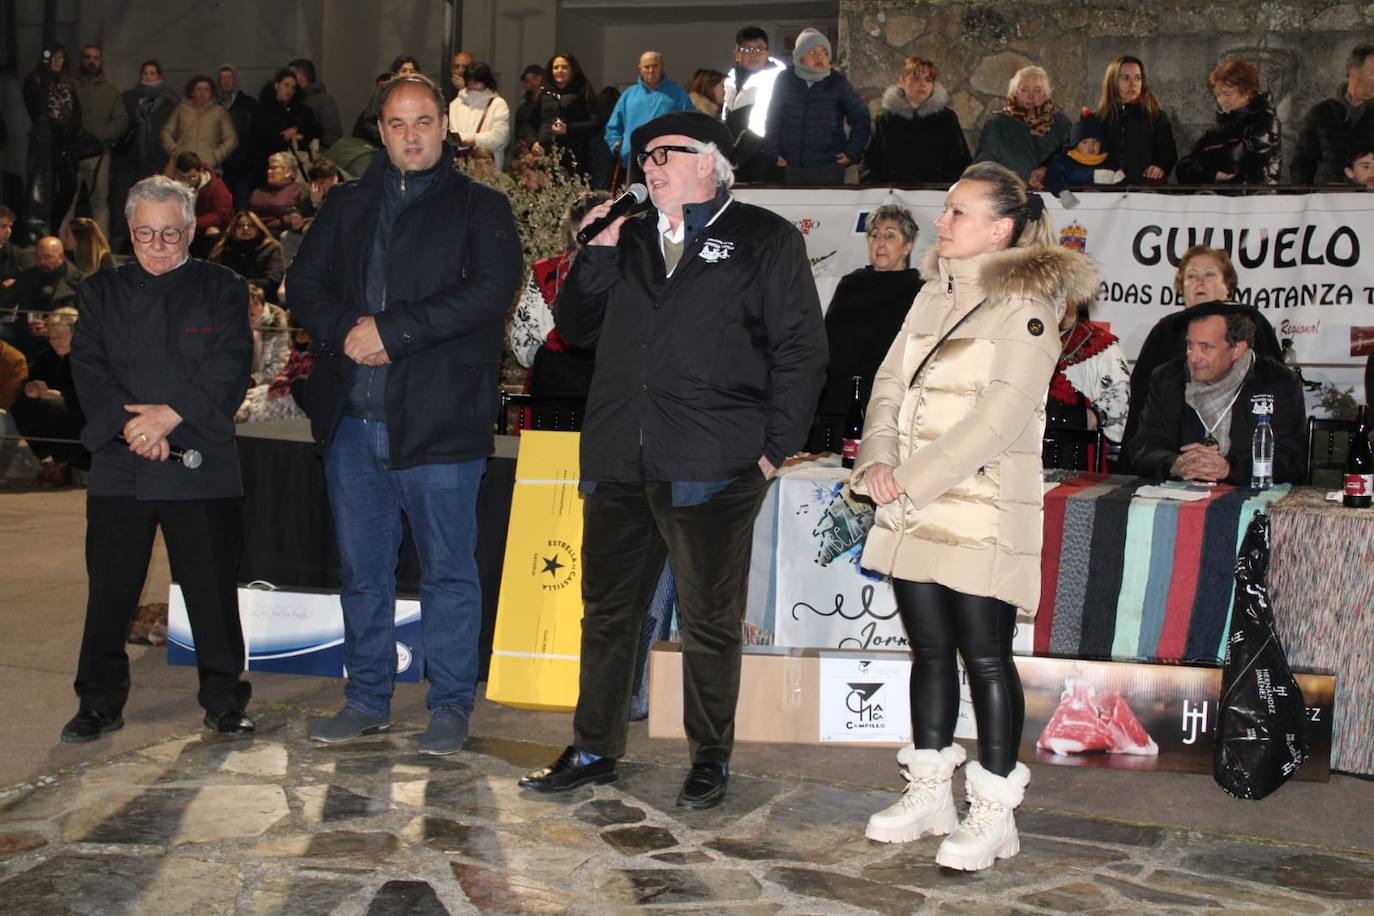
965 439
208 132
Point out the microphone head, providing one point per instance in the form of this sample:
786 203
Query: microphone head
638 192
191 458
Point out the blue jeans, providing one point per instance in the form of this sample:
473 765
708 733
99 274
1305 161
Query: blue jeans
440 502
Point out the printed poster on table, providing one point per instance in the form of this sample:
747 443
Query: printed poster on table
820 596
864 698
1144 717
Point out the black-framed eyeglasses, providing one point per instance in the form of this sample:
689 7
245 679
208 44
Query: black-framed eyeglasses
170 234
752 52
660 154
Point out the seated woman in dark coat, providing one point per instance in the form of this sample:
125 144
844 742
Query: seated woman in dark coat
1205 274
250 251
917 139
281 195
1244 146
47 407
864 317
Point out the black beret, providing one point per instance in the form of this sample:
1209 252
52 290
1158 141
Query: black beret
692 124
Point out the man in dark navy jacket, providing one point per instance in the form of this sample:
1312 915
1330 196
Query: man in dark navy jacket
161 358
710 356
1201 411
403 281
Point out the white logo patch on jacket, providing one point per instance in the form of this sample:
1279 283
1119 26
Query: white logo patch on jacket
713 250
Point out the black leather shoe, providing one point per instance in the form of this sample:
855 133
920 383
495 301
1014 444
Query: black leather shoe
88 725
704 786
565 773
232 723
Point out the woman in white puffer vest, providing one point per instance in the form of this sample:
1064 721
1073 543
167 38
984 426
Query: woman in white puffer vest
951 457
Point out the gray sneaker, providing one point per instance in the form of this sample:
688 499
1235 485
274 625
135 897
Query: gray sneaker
448 729
345 725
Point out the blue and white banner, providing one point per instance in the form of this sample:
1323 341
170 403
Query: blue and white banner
296 632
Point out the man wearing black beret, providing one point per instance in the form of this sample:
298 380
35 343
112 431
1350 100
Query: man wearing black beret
710 356
1202 406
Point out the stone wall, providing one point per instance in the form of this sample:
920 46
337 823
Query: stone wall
1300 47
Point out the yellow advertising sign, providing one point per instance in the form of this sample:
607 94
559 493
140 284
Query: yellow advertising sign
538 638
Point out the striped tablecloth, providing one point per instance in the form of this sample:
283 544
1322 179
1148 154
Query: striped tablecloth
1321 584
1132 578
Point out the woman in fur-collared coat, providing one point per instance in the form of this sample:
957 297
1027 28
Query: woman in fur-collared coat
917 139
951 457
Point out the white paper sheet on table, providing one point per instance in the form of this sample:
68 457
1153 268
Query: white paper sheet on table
1178 494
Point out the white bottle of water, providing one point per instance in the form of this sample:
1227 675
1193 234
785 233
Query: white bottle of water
1262 454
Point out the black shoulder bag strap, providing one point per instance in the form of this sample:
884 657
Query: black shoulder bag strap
941 342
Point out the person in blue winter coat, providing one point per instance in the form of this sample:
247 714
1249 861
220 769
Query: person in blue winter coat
1084 162
652 95
811 107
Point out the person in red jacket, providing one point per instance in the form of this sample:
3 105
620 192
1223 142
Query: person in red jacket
214 202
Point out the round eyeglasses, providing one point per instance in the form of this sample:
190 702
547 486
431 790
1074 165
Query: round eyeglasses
170 234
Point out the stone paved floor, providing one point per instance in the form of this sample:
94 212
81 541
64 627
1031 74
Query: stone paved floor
206 826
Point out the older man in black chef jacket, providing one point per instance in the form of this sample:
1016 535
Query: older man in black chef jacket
161 360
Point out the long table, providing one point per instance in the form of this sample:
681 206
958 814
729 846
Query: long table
1124 578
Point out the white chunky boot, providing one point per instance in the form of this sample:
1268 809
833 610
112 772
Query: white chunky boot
926 808
988 833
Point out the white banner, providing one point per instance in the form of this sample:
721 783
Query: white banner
1301 258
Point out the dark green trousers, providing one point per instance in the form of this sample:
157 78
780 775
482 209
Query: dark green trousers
628 529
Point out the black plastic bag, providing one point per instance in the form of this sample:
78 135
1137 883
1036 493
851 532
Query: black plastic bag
1261 734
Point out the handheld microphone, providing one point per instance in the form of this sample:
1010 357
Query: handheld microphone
634 195
189 457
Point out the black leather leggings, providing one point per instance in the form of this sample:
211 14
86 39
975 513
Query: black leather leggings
940 621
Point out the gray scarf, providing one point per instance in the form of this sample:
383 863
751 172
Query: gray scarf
1213 400
810 74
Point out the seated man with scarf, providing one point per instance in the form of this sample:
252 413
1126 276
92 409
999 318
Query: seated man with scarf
1203 406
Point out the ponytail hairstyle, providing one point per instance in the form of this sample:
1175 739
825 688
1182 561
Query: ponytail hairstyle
1008 197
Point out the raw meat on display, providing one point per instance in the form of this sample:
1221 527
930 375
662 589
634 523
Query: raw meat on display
1089 720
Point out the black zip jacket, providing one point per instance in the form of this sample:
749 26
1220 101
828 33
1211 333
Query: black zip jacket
452 269
1136 141
699 374
180 339
1168 423
1245 143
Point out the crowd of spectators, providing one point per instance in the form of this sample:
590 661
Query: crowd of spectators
260 165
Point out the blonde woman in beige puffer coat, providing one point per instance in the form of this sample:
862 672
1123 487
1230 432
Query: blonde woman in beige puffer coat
951 457
200 125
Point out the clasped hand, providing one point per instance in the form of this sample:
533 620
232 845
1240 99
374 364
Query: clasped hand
364 344
1200 462
147 431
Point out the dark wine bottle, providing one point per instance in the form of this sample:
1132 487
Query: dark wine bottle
1359 465
853 424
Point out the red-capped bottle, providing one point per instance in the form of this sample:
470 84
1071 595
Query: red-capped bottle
853 424
1359 465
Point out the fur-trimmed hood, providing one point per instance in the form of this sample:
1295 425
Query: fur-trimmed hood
895 101
1058 275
